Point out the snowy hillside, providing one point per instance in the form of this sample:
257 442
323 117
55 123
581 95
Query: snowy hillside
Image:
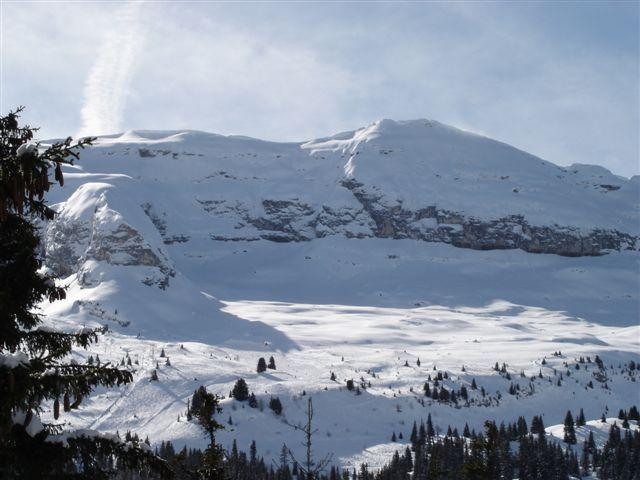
356 254
417 180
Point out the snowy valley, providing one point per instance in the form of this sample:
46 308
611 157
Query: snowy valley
399 254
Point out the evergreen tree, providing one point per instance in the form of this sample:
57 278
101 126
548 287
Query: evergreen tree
569 429
580 420
262 365
197 400
33 362
212 460
585 462
427 389
414 435
240 390
464 393
275 405
272 363
431 432
537 427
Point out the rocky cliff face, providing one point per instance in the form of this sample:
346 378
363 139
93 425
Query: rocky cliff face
514 231
88 231
294 221
417 180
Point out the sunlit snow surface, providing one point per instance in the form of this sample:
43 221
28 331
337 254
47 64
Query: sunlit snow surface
360 308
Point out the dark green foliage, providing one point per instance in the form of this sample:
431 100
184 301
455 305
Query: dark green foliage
276 405
537 426
272 363
197 399
24 387
486 456
620 456
240 390
580 420
212 459
262 365
569 429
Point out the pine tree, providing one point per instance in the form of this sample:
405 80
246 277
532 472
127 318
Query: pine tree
212 461
272 363
585 461
464 393
34 367
413 438
275 405
262 365
427 389
537 426
569 429
580 421
240 390
431 432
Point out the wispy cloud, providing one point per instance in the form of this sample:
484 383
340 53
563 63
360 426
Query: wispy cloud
107 84
558 80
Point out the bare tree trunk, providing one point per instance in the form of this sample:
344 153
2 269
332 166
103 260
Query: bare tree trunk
311 469
308 433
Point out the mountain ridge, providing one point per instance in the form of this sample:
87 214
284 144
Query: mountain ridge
415 179
380 258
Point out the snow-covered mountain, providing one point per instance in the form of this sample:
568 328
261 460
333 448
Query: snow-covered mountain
417 180
350 254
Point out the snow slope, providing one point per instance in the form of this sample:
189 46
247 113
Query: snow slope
354 254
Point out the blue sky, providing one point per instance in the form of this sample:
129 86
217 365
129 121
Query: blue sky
559 80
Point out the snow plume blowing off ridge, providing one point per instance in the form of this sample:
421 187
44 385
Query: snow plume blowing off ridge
106 86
